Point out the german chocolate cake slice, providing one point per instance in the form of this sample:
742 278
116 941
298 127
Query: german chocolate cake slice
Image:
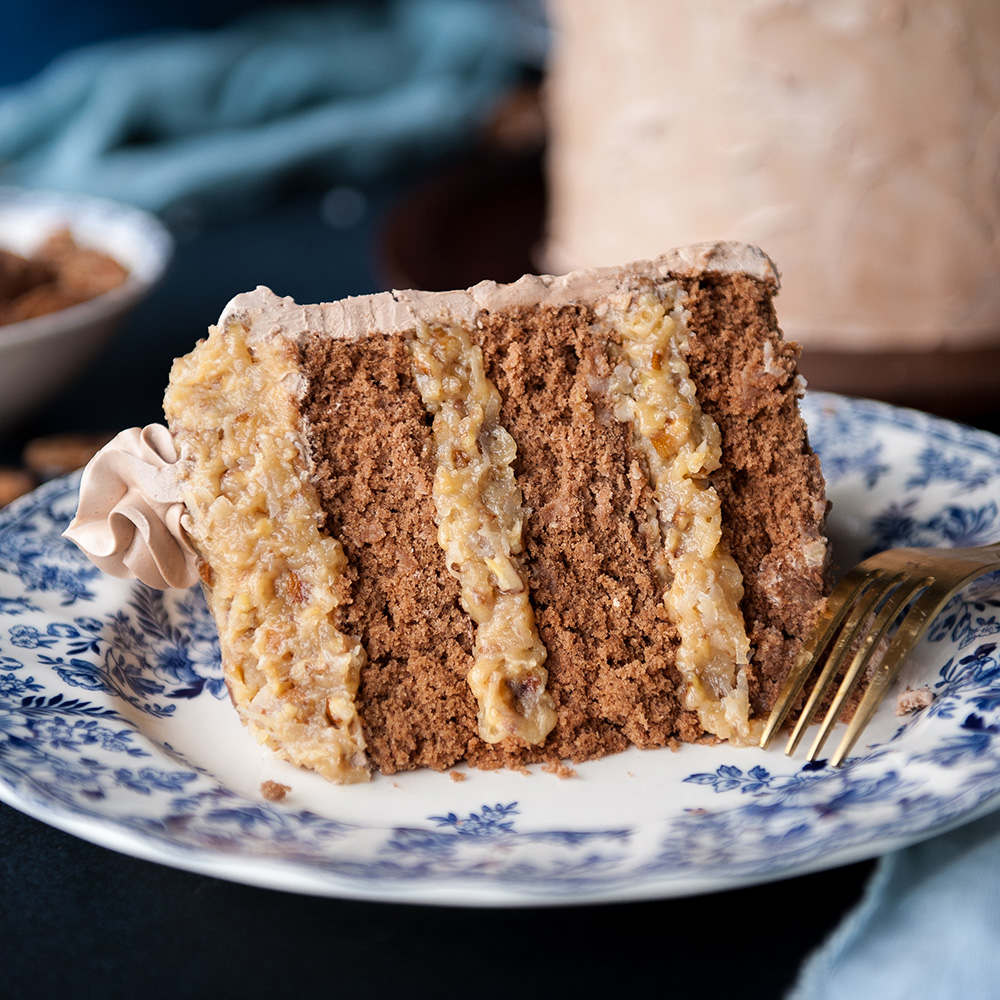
516 523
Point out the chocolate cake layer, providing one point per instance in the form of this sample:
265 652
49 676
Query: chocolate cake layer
374 467
770 482
589 560
597 600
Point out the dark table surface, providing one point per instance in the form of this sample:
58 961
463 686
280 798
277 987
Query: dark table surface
77 919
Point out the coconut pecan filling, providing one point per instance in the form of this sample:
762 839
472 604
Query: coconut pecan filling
271 575
651 388
479 516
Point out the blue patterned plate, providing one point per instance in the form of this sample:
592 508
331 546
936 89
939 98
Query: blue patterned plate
114 725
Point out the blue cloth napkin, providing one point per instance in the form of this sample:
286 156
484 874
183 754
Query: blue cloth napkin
928 926
342 91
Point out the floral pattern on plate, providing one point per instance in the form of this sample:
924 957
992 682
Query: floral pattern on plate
114 724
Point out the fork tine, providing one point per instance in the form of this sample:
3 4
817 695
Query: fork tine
867 601
888 614
837 606
910 631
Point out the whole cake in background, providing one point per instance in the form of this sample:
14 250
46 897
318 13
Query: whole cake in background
857 140
511 524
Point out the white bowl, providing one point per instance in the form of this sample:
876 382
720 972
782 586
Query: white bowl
38 356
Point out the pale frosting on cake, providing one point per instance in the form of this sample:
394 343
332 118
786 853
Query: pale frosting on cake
857 140
264 313
131 518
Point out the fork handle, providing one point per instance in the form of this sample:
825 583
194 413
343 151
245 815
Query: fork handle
986 553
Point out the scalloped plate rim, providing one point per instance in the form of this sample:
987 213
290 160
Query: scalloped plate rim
285 876
486 889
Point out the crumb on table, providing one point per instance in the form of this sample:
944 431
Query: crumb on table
14 483
457 775
274 791
58 454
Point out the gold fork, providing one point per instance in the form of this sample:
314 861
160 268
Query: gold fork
858 616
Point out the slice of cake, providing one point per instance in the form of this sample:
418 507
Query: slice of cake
517 523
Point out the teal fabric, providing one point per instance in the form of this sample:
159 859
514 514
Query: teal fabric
928 926
342 91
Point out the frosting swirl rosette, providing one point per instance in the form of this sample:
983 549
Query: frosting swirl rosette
130 519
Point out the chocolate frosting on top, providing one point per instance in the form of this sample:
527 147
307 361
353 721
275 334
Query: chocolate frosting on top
263 313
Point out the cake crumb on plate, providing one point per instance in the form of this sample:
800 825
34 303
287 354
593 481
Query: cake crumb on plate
914 700
13 484
274 791
457 775
59 454
559 769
